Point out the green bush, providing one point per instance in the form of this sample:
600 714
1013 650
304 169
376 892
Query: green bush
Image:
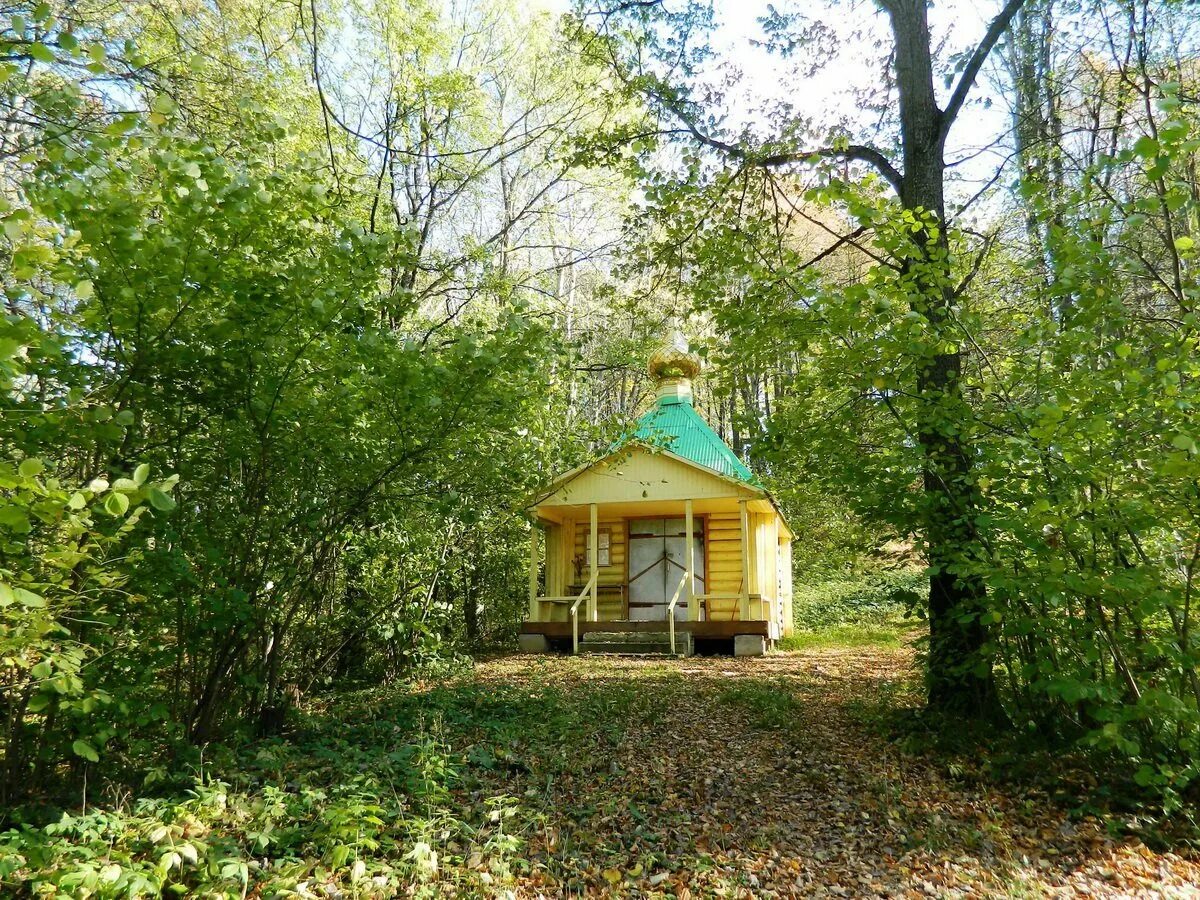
884 597
384 792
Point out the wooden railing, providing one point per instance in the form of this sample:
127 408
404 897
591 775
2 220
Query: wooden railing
566 601
671 612
765 604
583 595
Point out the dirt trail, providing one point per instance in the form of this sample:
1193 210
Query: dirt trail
725 791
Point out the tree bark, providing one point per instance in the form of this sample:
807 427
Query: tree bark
960 679
471 605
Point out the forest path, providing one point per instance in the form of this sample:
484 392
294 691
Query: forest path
765 777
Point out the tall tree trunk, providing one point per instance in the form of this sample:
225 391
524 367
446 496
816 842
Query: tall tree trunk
471 604
960 670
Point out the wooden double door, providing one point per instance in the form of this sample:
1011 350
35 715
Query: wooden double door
658 564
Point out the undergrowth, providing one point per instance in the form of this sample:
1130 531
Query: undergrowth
873 609
430 792
1083 780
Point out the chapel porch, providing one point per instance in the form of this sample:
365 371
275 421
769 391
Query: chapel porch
630 567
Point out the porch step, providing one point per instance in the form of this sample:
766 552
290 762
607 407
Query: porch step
636 643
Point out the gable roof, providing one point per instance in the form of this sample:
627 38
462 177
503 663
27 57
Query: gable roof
674 425
635 471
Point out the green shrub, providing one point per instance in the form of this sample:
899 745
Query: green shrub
385 792
886 597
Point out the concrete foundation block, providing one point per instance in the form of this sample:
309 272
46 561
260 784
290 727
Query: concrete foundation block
749 645
533 643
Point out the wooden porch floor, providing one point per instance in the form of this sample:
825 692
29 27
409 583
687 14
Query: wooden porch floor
699 630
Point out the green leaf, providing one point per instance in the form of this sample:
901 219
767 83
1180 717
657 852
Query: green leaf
160 500
15 519
1183 243
30 468
29 599
116 504
1146 147
141 473
1184 442
86 750
84 289
41 52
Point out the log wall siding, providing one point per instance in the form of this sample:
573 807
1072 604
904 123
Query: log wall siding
765 549
559 540
786 626
552 553
724 551
609 604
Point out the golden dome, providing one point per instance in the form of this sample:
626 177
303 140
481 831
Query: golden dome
673 360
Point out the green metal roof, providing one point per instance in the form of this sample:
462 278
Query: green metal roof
673 424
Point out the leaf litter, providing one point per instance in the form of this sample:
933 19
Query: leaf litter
760 778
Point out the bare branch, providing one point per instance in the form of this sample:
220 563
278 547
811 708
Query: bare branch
858 152
836 245
967 80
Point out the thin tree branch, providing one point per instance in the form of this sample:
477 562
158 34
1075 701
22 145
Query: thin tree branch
967 80
858 152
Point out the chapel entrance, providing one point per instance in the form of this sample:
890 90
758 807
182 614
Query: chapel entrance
657 565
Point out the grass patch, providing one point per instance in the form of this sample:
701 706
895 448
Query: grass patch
847 636
876 610
770 705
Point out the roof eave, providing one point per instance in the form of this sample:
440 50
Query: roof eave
569 476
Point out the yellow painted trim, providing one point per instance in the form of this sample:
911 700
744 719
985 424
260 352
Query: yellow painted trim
570 476
745 598
533 572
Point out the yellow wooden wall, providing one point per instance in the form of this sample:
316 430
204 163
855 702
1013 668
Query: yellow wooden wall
553 549
609 604
724 563
568 540
785 586
558 541
764 547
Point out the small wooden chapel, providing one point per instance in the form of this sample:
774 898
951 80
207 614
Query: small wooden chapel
666 541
